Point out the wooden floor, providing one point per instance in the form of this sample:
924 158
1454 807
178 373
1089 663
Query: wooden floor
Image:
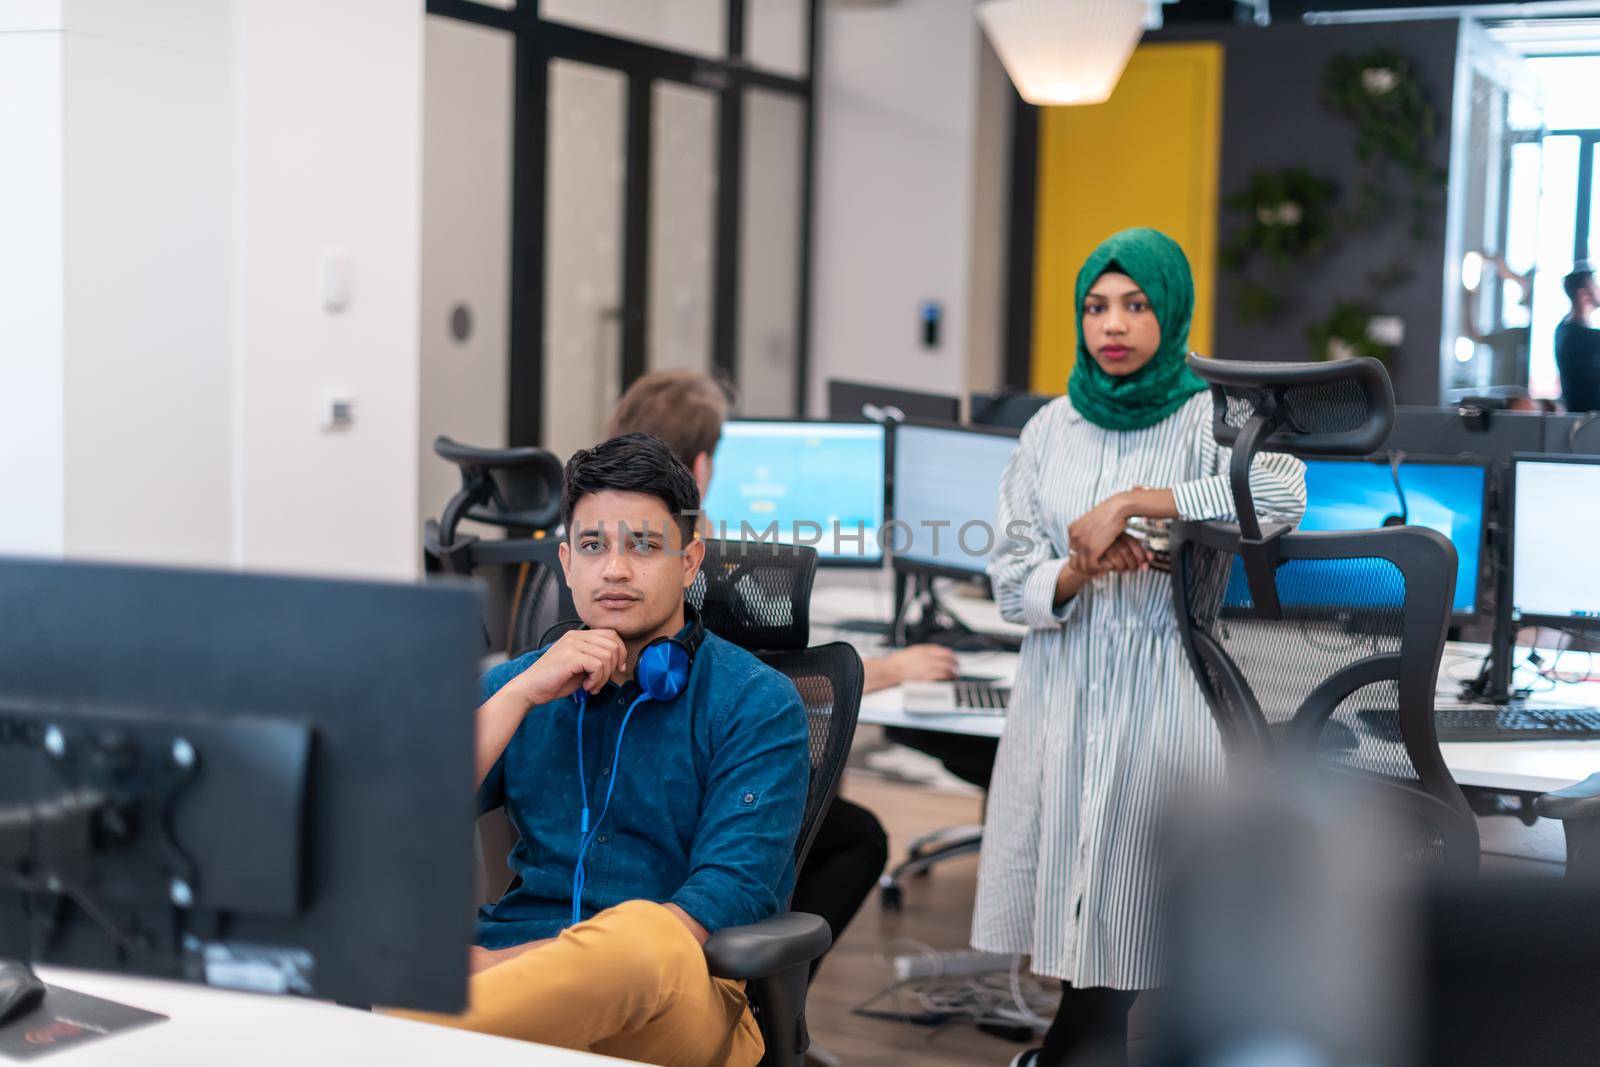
937 912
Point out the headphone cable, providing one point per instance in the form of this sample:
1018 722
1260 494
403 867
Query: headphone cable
587 833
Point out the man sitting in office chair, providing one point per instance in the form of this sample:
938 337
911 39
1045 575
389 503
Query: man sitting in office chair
656 776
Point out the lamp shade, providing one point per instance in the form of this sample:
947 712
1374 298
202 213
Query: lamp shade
1064 51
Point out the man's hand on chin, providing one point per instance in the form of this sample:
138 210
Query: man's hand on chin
700 932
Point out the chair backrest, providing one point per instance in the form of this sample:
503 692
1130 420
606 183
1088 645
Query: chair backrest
1337 675
756 594
829 679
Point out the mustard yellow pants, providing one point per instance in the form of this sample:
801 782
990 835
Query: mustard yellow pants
631 982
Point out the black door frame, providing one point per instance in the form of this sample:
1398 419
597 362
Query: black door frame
537 43
1017 364
1588 141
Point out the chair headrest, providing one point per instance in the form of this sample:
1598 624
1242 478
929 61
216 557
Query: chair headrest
1344 407
756 594
511 487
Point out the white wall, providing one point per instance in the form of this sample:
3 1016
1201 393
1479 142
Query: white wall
114 194
147 448
893 201
32 420
466 245
327 107
173 172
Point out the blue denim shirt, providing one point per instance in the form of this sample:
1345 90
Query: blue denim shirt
707 805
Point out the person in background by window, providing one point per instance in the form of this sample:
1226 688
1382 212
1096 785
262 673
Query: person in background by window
1578 343
1508 345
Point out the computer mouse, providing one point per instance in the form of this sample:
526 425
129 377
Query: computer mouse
20 990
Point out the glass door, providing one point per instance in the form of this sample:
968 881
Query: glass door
586 168
661 189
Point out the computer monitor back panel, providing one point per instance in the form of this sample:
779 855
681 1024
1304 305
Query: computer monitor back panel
809 482
861 400
1495 435
313 743
946 496
1555 531
1576 434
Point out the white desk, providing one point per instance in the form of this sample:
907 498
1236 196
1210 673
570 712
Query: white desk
209 1027
1522 766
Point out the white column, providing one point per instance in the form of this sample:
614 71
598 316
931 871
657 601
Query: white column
31 313
328 101
147 188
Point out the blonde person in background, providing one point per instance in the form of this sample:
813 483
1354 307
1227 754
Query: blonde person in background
1105 718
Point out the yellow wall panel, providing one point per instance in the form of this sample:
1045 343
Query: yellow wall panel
1146 157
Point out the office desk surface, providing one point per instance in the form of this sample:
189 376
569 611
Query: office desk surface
1517 766
207 1027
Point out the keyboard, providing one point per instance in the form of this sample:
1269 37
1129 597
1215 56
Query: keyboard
1527 723
967 696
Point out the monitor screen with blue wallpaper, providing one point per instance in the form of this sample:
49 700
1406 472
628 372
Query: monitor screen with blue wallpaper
1360 495
815 483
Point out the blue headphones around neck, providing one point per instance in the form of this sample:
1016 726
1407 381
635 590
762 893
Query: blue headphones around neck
662 674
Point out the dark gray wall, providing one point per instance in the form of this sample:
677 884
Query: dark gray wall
1272 118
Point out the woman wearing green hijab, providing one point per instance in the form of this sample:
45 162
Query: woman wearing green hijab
1105 720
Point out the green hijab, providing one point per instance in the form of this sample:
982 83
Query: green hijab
1160 387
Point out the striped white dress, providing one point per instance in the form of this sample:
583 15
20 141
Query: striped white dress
1105 718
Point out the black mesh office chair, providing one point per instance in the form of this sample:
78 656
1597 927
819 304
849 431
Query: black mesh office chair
519 491
1321 650
758 596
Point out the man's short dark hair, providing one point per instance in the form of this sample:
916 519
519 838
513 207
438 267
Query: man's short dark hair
1576 282
632 463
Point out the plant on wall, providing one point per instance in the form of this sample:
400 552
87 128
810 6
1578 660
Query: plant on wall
1347 331
1396 124
1287 215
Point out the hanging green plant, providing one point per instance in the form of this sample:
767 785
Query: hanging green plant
1396 124
1346 332
1284 216
1391 275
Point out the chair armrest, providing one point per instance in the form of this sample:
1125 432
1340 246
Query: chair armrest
1581 800
790 939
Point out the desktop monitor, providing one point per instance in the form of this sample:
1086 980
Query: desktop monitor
252 782
1555 513
946 496
815 483
862 400
1445 495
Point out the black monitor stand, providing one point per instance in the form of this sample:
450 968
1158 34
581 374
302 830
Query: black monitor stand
933 623
1493 683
